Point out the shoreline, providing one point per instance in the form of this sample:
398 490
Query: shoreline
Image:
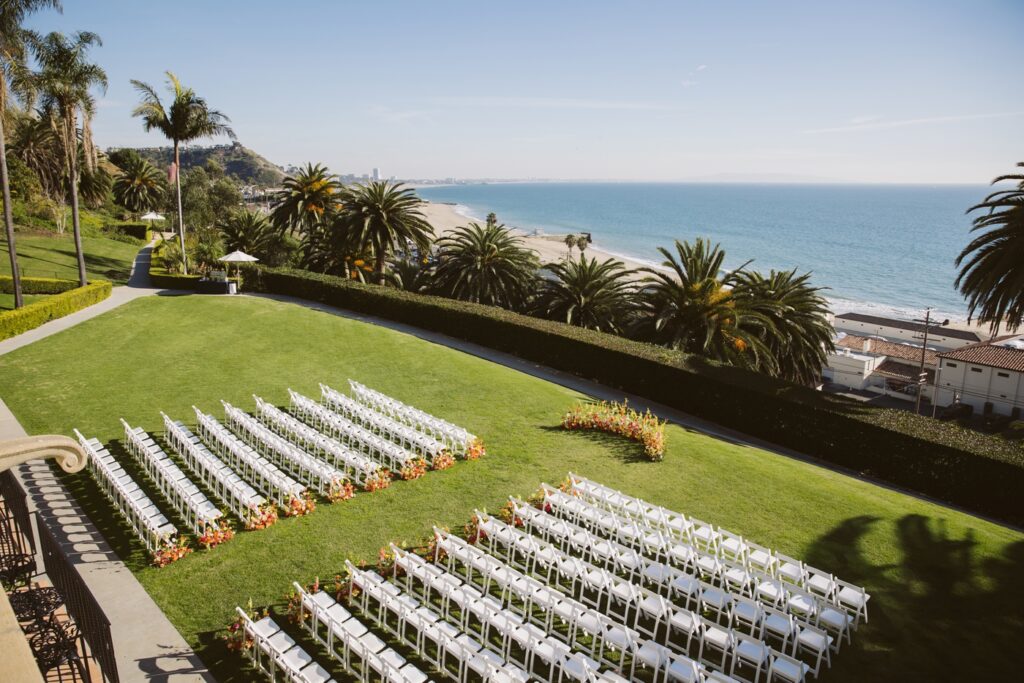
445 217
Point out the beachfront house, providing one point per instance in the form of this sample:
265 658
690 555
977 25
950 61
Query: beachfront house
896 330
879 366
988 376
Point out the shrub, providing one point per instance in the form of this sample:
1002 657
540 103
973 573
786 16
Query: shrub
37 285
938 459
36 313
159 277
139 231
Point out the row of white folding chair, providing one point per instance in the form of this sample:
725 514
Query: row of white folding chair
278 656
355 465
191 503
727 545
457 439
135 506
522 643
586 629
379 599
684 584
226 484
711 637
307 469
265 475
346 638
387 453
619 596
393 430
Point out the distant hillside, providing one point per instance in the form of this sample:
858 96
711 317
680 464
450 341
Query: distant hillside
237 160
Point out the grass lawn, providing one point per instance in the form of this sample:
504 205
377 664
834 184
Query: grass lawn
7 300
947 597
54 256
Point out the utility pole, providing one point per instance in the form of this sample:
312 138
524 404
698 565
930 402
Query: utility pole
921 375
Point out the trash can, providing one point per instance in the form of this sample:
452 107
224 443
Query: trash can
232 287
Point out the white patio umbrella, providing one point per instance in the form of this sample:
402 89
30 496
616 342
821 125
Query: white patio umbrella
238 257
153 216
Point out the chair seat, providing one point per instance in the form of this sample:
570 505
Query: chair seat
314 673
295 659
265 627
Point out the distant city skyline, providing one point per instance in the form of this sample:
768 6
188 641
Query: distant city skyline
909 92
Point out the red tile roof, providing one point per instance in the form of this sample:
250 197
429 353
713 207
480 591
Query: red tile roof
989 354
910 354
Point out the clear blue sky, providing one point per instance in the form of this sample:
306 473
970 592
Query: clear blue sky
877 91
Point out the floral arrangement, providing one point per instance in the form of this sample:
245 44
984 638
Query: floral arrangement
341 489
262 517
385 561
472 532
381 479
237 640
443 461
171 551
414 469
620 419
300 505
214 535
476 449
507 514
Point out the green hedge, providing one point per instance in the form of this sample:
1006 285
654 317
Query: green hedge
159 277
940 460
139 231
35 314
37 285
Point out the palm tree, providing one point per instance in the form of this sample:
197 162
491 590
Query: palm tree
586 293
690 307
410 273
64 81
487 265
307 198
992 265
384 217
800 336
247 231
188 118
15 42
570 242
140 186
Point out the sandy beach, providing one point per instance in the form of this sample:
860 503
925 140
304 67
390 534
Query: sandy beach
549 248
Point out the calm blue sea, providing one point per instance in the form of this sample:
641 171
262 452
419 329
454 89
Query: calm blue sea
879 249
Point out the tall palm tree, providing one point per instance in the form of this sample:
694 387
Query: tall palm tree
140 186
691 307
570 242
588 293
309 197
187 118
15 41
384 217
486 265
64 82
800 336
247 231
992 265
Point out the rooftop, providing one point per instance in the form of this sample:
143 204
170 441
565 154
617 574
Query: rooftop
949 332
893 350
995 354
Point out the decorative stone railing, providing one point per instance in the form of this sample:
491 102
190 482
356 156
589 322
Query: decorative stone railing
65 450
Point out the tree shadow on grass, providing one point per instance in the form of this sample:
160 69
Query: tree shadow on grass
938 614
625 450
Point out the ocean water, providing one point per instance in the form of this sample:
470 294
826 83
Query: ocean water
881 249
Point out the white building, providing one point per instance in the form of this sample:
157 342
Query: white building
988 376
376 174
879 366
892 329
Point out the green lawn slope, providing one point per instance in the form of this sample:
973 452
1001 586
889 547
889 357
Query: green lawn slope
54 256
947 599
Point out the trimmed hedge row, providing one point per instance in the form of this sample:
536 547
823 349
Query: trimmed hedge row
33 315
159 277
937 459
37 285
139 231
